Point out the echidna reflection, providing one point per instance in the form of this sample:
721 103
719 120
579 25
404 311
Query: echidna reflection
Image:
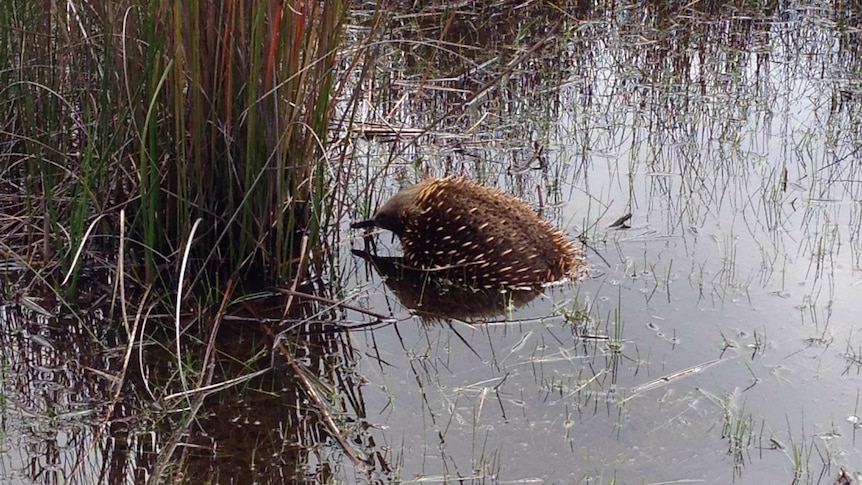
475 235
433 301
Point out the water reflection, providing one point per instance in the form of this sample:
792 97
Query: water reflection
436 301
56 390
730 132
303 407
275 400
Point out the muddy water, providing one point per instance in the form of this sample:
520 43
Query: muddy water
721 342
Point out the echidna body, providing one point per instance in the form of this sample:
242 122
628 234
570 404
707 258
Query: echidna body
475 235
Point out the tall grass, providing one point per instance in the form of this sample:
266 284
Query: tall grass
173 112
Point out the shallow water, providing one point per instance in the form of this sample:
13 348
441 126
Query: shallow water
728 305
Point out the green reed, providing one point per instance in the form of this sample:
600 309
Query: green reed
172 112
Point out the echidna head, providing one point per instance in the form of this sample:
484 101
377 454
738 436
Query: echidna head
392 215
389 220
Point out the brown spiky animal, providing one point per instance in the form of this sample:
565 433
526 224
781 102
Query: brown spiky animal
475 235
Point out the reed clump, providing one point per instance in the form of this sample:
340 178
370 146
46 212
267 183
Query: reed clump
173 113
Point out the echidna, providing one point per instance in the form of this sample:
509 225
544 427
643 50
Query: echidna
475 235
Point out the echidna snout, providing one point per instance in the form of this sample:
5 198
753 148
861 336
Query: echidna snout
475 235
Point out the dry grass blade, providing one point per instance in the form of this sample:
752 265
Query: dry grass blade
179 303
84 240
669 378
338 304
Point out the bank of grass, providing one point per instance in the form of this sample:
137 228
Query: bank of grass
169 145
172 113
